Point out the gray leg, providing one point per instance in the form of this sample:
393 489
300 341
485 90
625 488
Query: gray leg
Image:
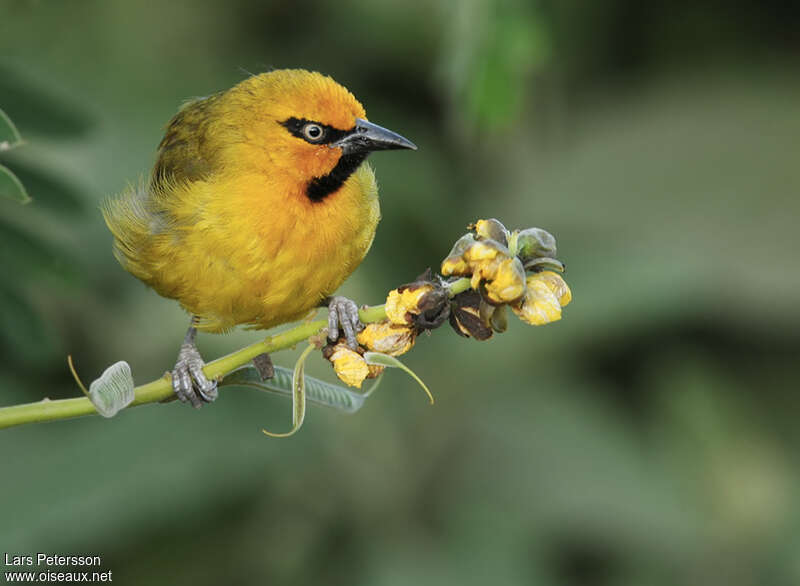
188 380
343 311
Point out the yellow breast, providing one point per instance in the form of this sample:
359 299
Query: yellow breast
245 250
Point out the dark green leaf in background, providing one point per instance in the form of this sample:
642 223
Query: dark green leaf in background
38 108
23 333
11 187
9 135
23 254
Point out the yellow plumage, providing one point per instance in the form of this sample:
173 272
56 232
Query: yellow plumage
230 223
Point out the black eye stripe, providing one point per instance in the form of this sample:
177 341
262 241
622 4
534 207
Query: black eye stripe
331 134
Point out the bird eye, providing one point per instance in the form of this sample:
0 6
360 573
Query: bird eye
313 132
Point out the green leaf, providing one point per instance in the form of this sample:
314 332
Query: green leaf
12 187
379 359
496 49
317 391
9 135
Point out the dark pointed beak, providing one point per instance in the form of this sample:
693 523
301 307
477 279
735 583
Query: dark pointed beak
367 136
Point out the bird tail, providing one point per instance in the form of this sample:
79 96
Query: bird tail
132 222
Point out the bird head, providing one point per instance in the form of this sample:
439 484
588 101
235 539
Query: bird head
310 128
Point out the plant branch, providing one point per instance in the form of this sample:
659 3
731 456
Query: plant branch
161 389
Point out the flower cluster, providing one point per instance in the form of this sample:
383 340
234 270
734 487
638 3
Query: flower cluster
515 269
410 309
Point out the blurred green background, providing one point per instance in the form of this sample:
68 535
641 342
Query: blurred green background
648 438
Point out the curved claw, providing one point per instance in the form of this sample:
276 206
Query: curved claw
188 380
344 312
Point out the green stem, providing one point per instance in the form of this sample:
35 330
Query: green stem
161 389
459 286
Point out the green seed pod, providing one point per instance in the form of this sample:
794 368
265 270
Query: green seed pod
485 311
535 243
499 319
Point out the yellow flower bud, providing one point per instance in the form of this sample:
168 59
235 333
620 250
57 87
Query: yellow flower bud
483 251
491 229
454 265
475 280
404 303
484 270
350 366
557 285
387 338
508 282
540 305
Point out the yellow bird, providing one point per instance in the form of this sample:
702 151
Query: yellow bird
259 206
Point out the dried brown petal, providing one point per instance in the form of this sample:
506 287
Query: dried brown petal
465 316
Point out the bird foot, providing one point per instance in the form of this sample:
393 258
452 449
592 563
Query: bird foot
343 312
188 380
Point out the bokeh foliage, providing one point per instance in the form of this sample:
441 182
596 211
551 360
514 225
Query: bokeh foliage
28 255
648 438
